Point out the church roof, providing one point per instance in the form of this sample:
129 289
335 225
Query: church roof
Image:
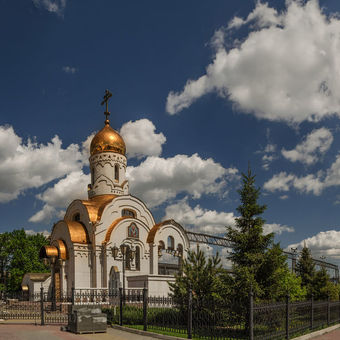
156 227
107 140
95 206
77 232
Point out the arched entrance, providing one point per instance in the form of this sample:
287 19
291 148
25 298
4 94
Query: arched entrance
114 280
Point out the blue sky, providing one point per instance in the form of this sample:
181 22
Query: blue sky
199 90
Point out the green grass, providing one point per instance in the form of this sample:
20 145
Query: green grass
160 331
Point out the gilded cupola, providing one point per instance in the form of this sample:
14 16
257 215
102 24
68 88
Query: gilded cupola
106 140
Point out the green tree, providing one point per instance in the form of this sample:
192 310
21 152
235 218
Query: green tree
257 261
20 255
323 287
305 268
203 276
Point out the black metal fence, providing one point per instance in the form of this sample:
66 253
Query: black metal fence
214 320
206 319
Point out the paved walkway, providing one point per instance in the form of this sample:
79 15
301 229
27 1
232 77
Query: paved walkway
334 335
32 332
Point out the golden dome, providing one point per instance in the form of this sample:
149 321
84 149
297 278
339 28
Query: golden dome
107 139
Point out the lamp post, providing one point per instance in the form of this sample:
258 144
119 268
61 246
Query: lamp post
123 249
51 262
294 252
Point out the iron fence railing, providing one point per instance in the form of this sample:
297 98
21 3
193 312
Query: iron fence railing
203 319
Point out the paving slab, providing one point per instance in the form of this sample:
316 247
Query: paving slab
11 331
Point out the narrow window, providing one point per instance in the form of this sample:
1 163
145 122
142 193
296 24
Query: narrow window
180 250
76 217
117 172
137 258
92 176
171 243
128 258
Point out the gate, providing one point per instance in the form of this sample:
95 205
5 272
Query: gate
37 308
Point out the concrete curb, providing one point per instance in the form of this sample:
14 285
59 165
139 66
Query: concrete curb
317 333
150 334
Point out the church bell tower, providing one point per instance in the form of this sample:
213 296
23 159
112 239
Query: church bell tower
107 160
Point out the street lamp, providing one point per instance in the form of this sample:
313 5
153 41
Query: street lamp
51 262
294 252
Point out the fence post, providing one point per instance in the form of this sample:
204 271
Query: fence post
189 313
328 310
72 295
287 316
251 314
145 306
42 323
312 312
120 306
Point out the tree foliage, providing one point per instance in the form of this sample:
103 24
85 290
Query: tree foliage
19 254
305 269
203 276
257 261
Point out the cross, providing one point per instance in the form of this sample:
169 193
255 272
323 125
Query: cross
106 97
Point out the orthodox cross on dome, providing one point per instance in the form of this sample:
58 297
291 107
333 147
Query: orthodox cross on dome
106 97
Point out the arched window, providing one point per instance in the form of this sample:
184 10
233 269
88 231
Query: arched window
117 172
128 212
161 246
128 258
180 249
171 243
133 231
76 217
137 258
92 176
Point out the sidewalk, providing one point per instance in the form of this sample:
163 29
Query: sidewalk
31 332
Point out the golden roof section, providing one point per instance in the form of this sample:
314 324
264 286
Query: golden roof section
37 277
95 206
156 227
62 249
107 140
77 232
48 251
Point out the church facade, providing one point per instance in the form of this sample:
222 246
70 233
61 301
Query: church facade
111 239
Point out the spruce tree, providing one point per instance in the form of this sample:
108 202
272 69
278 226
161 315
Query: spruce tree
305 268
257 261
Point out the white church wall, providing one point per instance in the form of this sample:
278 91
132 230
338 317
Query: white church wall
82 261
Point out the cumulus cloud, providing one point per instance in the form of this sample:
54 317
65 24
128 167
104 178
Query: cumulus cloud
53 6
69 69
60 195
33 232
286 69
312 147
31 165
156 180
325 243
269 154
198 219
141 140
311 183
276 228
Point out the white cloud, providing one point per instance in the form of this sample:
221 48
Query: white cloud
312 147
198 219
276 228
69 69
31 165
156 180
306 184
286 69
53 6
60 195
325 243
141 140
33 232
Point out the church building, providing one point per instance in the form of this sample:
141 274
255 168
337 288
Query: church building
111 239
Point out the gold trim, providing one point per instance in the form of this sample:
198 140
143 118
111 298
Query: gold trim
24 288
62 249
96 205
78 233
112 226
156 227
48 251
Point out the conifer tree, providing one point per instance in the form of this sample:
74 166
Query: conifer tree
305 268
257 261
